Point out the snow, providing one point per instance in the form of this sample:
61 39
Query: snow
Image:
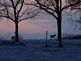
35 50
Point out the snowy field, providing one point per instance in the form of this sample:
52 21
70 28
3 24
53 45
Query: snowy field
35 50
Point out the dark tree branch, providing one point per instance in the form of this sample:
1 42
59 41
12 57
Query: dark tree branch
20 8
70 5
41 6
32 15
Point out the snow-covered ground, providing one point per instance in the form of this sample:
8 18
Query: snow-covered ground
34 50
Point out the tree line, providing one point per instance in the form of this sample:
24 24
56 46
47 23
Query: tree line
19 10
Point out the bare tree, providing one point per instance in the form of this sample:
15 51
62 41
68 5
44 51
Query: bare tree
17 11
56 8
76 12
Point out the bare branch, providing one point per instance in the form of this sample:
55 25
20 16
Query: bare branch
20 8
70 5
46 8
33 14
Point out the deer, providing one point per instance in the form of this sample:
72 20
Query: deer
52 36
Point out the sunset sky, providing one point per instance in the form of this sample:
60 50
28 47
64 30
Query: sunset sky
35 28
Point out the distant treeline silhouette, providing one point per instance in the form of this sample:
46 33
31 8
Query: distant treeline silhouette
72 37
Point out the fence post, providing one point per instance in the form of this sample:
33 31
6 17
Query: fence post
46 43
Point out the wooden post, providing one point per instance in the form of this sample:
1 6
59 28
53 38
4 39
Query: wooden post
46 43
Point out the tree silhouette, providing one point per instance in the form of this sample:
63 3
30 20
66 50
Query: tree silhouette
17 11
77 9
56 8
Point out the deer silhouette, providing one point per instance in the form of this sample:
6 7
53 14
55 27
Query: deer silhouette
52 36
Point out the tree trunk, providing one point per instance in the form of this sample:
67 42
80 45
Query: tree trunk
59 22
16 32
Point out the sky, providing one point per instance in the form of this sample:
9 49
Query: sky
35 28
